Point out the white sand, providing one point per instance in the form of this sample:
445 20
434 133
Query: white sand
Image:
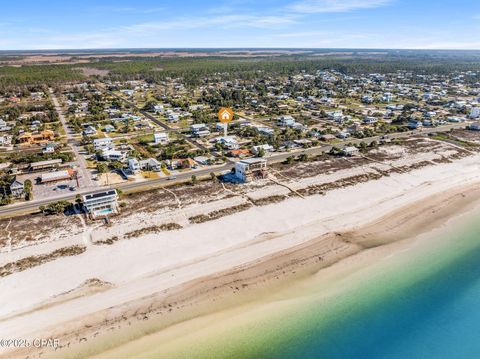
142 266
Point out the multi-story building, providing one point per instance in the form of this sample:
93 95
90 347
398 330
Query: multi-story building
251 168
101 203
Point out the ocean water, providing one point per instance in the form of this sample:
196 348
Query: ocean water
428 307
425 304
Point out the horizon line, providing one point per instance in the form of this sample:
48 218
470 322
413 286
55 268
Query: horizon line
232 49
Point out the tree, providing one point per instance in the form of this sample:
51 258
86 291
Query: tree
261 152
102 167
55 207
303 157
117 165
149 106
194 180
289 160
28 190
213 176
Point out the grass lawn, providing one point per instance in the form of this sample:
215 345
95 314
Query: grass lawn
150 175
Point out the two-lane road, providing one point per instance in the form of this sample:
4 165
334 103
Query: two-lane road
274 158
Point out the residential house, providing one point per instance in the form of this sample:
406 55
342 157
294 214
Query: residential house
109 128
368 120
89 131
38 138
266 131
203 160
101 203
474 113
113 155
133 165
229 142
350 151
251 168
17 188
266 148
150 164
160 138
199 130
100 144
49 148
327 137
286 121
414 124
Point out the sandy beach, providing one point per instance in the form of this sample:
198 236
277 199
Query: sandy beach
117 293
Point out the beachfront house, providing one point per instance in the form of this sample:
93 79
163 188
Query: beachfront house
101 203
251 168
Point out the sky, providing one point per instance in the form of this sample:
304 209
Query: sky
87 24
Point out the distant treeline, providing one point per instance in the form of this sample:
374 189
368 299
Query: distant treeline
194 69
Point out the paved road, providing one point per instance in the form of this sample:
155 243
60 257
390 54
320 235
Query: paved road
73 143
275 158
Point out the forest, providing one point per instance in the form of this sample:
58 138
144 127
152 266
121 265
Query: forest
193 69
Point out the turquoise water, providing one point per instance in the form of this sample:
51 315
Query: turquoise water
104 212
431 309
423 302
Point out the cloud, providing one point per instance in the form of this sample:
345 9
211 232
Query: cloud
126 9
225 21
319 6
146 34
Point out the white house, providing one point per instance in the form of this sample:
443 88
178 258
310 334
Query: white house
368 120
102 143
173 117
158 108
101 203
199 130
475 112
133 165
286 121
229 142
248 169
150 164
266 131
266 148
160 138
89 131
350 151
113 155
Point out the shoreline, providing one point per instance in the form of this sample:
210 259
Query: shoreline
243 284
